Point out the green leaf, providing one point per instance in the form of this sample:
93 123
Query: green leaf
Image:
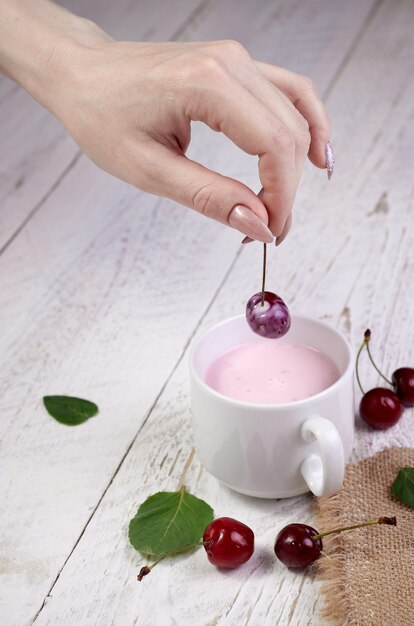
68 410
169 521
403 486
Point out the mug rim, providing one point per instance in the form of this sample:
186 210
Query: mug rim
263 405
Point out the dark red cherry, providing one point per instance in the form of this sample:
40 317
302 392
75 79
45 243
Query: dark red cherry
403 383
270 319
295 547
228 543
380 408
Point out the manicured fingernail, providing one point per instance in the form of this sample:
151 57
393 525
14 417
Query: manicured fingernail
242 218
249 239
330 160
285 230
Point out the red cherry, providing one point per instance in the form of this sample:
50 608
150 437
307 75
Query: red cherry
295 547
299 545
380 408
403 383
228 543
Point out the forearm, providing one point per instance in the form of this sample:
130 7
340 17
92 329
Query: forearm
37 39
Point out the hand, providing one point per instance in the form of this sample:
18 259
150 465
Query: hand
129 106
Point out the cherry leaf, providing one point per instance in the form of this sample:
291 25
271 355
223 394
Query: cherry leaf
68 410
169 522
403 486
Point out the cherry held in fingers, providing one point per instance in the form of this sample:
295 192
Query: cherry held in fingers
269 319
403 383
266 313
228 543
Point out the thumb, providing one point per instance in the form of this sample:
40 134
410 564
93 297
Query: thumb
219 197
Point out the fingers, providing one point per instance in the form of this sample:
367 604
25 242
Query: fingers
302 93
279 104
255 128
279 187
265 111
285 230
173 175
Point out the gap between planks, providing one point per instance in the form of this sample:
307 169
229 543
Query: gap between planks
189 459
175 36
348 56
41 202
78 154
342 66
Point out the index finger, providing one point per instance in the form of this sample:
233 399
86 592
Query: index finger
231 109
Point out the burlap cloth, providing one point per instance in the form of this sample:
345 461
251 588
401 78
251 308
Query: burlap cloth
369 577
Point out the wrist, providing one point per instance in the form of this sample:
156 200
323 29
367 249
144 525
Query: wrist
38 42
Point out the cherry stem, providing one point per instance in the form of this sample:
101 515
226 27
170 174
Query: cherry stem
375 366
363 345
263 273
144 571
391 521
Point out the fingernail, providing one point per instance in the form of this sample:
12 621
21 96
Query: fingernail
285 231
242 218
330 160
247 240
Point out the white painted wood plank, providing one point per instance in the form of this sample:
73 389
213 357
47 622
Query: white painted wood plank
189 590
61 246
241 288
109 326
262 591
35 150
353 274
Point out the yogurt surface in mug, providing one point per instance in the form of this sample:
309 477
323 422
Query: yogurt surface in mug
271 372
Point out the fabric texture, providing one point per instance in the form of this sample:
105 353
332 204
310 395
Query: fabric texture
368 573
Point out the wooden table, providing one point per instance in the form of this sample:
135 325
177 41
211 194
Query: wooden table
103 289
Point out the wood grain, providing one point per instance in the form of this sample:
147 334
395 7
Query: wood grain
337 285
36 152
99 306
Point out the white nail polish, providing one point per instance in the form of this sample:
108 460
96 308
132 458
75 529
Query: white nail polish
330 160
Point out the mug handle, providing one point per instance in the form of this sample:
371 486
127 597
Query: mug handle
324 473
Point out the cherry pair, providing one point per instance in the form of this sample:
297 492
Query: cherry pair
230 543
382 407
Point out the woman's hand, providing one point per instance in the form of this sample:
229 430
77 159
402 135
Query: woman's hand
129 106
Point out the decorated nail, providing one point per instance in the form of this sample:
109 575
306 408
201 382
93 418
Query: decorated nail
330 160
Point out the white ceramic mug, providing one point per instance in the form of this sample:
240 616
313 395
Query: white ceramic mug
271 450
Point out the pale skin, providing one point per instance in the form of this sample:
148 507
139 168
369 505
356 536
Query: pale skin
129 107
